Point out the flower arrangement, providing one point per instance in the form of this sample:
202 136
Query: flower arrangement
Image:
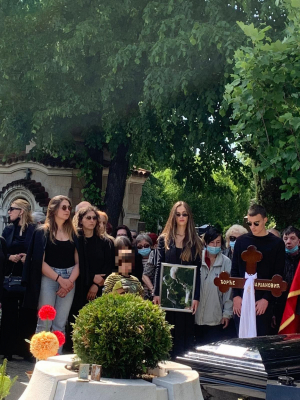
47 313
46 344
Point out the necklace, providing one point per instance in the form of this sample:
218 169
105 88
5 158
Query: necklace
178 234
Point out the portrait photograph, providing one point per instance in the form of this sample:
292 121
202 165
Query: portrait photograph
177 286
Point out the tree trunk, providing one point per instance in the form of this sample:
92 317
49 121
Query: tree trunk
97 157
116 184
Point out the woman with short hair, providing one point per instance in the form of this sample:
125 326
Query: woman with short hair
215 308
145 249
231 235
15 321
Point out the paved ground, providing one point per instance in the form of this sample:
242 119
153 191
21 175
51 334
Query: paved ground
18 367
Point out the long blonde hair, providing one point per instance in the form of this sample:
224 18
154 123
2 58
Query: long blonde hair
51 226
105 234
190 239
26 217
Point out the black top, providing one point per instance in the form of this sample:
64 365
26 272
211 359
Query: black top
172 256
16 244
3 260
95 257
98 256
60 254
272 263
32 271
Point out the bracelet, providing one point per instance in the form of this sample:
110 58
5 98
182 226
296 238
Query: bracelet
98 286
57 278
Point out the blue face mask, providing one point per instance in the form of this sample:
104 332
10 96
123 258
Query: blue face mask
290 251
144 252
213 250
232 244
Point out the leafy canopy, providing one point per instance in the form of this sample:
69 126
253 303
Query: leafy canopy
265 97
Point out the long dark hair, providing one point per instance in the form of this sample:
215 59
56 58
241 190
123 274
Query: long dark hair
50 224
81 213
190 239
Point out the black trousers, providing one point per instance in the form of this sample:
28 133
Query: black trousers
17 324
206 334
182 333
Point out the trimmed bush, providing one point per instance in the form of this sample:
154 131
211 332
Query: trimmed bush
124 333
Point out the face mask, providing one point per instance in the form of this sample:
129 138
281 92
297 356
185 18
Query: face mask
289 251
144 252
232 244
213 250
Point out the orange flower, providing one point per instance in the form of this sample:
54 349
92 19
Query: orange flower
44 345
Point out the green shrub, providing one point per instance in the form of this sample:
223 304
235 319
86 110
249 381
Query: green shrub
5 382
123 333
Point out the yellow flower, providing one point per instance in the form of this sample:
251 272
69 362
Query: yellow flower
44 345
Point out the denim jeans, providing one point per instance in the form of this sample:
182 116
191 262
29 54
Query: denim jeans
48 296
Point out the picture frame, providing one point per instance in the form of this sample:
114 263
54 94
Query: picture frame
177 287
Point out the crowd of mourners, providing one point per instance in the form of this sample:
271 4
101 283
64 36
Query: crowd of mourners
67 260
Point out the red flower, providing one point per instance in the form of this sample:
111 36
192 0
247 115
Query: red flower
60 336
47 312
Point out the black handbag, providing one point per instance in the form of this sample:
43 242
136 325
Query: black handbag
13 284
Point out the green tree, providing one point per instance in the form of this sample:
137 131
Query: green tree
143 78
224 203
264 95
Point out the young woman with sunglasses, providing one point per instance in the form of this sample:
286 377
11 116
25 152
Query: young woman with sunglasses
180 244
52 264
18 236
95 255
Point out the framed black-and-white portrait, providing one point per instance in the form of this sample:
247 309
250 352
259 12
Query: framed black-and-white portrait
177 286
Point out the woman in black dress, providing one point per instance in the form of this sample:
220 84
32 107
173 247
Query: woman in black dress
17 323
180 244
94 255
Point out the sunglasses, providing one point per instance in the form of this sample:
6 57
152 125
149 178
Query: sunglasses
232 238
89 217
182 215
250 223
140 246
14 208
64 208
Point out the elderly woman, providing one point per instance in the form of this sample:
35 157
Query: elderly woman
144 247
231 235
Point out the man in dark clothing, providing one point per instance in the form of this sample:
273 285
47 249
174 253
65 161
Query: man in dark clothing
291 238
272 249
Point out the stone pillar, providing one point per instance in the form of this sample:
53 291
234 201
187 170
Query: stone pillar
132 197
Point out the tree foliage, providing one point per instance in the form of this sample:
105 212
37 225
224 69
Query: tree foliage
265 96
224 203
142 74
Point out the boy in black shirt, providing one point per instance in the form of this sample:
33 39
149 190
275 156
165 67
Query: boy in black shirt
272 249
